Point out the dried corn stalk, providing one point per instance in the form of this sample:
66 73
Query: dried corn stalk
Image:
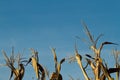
18 72
56 75
38 68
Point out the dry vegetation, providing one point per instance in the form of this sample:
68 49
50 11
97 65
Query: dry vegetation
100 69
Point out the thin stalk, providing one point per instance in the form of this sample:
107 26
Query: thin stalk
79 58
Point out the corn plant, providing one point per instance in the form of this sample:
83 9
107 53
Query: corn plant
101 72
56 75
19 71
38 68
79 61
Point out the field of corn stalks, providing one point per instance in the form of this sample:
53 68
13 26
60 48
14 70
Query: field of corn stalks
98 66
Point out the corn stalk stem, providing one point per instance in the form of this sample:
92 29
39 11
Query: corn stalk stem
83 70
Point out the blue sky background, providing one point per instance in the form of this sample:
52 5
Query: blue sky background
42 24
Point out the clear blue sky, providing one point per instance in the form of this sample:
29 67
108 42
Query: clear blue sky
42 24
